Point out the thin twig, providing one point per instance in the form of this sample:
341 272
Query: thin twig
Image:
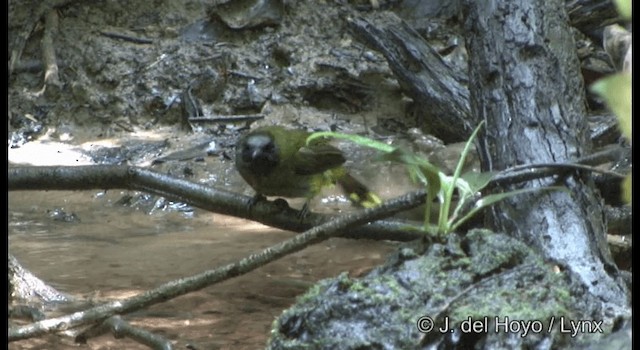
32 66
101 177
538 171
228 118
126 37
244 75
121 328
27 29
186 285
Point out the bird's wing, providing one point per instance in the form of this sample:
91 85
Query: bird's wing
315 159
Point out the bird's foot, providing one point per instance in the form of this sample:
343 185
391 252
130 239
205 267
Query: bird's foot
304 212
369 200
255 200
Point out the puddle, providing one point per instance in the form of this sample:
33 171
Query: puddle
111 251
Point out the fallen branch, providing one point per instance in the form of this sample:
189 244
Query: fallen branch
126 37
436 87
25 285
22 37
227 118
51 76
120 329
186 285
220 201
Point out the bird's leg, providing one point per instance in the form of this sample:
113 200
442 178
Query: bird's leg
280 203
304 212
255 200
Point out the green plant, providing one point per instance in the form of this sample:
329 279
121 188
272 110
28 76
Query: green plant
616 91
438 184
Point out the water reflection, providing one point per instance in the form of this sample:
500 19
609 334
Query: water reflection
117 251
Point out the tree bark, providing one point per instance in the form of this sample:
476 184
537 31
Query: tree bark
437 88
525 83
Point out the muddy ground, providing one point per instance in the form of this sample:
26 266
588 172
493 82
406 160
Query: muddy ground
126 73
307 71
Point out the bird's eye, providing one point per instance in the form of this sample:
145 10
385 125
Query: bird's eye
269 147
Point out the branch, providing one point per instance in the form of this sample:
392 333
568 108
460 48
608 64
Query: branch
51 76
125 37
23 284
22 37
432 83
105 177
186 285
121 328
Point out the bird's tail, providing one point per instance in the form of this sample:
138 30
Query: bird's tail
358 193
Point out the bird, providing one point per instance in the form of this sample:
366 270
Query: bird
276 161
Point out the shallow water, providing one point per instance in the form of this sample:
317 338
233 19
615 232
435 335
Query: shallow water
109 251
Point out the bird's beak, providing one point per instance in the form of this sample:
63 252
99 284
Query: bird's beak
255 153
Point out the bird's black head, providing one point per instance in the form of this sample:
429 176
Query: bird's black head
259 153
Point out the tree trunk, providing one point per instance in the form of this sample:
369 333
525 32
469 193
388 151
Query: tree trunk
525 83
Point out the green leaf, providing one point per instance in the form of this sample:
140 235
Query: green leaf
463 187
477 181
496 197
357 139
626 189
419 168
624 8
616 90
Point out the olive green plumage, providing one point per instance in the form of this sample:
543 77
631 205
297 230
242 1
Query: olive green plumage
276 161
